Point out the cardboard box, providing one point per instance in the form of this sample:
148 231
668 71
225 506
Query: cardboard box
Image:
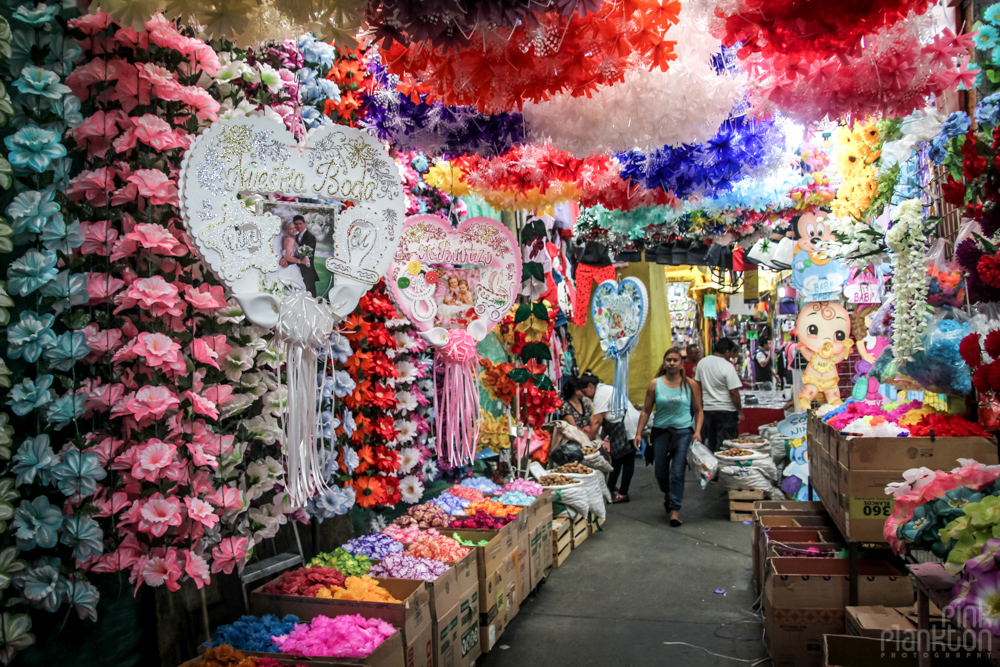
492 554
539 556
412 614
456 633
789 505
805 598
522 560
447 589
388 654
502 589
845 651
761 547
767 519
420 649
540 511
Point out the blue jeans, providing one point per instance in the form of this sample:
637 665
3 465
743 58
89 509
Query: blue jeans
670 448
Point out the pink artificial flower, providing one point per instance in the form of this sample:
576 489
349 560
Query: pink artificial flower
206 105
206 297
197 568
230 553
102 286
199 457
102 398
118 502
92 186
202 406
106 449
159 351
130 91
96 132
154 185
159 514
97 238
163 33
226 497
201 482
158 133
160 570
136 39
203 57
85 75
202 512
152 458
153 294
91 24
152 402
214 443
220 394
209 349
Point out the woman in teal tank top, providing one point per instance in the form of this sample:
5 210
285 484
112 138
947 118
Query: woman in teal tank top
678 419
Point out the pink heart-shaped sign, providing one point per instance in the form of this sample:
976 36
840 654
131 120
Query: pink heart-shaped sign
465 278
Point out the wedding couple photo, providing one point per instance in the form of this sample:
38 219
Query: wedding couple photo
297 253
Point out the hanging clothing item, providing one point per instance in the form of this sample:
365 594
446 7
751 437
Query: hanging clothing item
587 276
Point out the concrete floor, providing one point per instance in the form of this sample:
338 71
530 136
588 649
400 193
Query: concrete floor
639 584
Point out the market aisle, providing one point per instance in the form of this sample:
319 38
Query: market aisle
641 583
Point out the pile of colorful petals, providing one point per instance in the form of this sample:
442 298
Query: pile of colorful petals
226 656
493 508
405 566
426 515
337 637
436 546
452 504
524 486
482 484
516 498
341 560
376 547
358 589
471 495
253 633
306 581
482 521
402 534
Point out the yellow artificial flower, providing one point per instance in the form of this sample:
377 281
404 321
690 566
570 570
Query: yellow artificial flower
448 178
534 329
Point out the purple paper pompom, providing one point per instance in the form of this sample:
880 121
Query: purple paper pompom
967 253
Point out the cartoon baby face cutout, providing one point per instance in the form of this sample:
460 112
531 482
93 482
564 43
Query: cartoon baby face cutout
824 332
813 228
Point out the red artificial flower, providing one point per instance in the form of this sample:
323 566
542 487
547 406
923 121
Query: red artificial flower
970 351
358 364
535 368
391 495
378 305
973 164
369 491
989 270
981 379
382 397
994 374
385 428
379 336
382 366
386 459
355 327
366 459
946 426
362 428
953 192
992 344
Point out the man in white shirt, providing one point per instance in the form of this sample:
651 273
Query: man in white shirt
720 387
620 431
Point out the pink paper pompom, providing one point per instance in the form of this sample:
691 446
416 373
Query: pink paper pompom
348 636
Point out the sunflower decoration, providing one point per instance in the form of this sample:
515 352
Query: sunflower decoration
856 151
494 432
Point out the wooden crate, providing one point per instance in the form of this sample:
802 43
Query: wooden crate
746 494
741 502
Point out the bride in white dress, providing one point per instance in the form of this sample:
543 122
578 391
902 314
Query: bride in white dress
286 247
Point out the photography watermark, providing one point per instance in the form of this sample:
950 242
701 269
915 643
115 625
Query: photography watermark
952 639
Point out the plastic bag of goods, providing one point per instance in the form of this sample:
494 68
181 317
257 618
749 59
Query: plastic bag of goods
596 459
738 477
581 493
754 442
745 458
702 461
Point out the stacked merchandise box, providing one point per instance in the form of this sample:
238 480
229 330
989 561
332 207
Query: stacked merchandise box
455 610
850 473
539 515
562 540
411 615
540 554
521 554
808 516
388 654
806 598
900 624
497 581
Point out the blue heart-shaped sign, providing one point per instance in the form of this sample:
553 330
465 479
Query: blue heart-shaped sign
619 312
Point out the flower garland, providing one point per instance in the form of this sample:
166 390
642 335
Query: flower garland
263 82
854 154
502 69
907 241
351 78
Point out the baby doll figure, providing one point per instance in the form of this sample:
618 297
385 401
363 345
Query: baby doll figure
869 347
824 333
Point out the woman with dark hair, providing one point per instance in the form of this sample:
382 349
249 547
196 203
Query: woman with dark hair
577 408
677 402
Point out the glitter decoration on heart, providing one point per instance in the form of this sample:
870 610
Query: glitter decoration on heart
619 311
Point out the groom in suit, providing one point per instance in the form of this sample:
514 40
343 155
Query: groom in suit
304 238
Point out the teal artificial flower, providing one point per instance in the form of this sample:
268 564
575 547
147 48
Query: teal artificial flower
33 461
31 210
922 529
41 584
83 535
41 82
36 524
992 14
34 148
28 395
65 409
31 336
8 494
952 504
22 43
81 595
6 106
78 473
58 236
70 347
6 179
71 290
6 433
68 108
32 270
986 39
35 15
61 52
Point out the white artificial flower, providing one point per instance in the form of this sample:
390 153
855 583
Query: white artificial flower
405 431
405 401
270 78
238 360
408 459
411 489
236 404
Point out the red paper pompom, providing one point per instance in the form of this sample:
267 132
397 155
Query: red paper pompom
981 379
989 270
970 351
994 371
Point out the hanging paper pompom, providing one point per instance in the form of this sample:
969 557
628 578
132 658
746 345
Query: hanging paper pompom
502 69
650 108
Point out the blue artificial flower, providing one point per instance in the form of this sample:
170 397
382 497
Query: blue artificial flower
306 76
58 236
952 504
41 82
83 535
22 43
31 210
61 52
334 502
65 409
32 270
351 460
39 14
31 336
992 14
68 109
420 163
348 422
29 394
315 51
987 109
40 584
251 633
70 347
312 118
34 460
78 473
341 347
328 423
36 524
70 290
938 151
958 123
328 89
34 148
988 38
343 383
81 595
922 529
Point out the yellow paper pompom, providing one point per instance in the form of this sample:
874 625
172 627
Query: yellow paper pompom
363 589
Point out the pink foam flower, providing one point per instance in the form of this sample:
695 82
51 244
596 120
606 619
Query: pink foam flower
158 133
214 443
158 239
160 570
102 286
130 91
98 238
85 75
206 297
209 349
165 35
231 552
203 57
226 497
201 511
152 458
199 456
152 402
101 398
159 514
202 405
131 38
155 186
207 106
91 24
102 340
153 294
220 394
159 351
96 132
92 186
196 568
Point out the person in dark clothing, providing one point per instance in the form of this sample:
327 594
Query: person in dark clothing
305 239
762 365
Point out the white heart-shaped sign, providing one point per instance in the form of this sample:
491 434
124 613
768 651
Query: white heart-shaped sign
252 250
620 311
465 278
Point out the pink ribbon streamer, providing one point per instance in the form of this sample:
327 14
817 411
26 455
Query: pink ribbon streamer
456 412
